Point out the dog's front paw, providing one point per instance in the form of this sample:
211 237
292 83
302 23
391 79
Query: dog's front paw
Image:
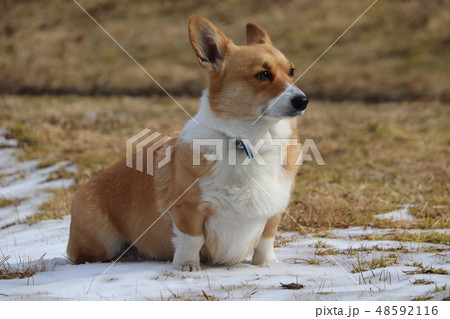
264 253
189 266
261 260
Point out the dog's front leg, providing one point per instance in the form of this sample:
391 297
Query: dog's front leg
189 236
187 250
264 251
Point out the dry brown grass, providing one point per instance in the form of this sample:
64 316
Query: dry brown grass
10 201
55 208
374 263
22 270
433 237
422 281
378 156
90 132
398 50
426 270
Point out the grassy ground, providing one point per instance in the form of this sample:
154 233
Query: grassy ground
397 51
378 156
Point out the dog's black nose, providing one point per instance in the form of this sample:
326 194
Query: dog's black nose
300 102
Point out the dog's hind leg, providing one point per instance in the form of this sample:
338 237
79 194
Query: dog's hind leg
92 237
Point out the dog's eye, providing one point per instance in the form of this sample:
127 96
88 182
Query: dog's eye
264 75
291 72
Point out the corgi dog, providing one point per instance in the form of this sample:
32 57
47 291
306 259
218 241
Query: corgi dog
213 211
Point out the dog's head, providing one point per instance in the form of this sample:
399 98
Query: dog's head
246 81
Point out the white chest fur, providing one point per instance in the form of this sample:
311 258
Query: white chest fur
242 196
241 206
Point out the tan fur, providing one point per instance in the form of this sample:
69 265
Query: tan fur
241 63
115 208
256 35
240 81
271 226
293 152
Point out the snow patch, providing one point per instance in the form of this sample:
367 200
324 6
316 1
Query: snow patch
398 215
24 181
330 279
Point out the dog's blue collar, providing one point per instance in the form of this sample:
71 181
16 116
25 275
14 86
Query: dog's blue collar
241 145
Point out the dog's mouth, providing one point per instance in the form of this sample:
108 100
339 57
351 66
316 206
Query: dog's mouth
295 113
298 113
285 115
288 108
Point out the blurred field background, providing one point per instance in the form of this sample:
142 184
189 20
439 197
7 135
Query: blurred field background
399 51
379 110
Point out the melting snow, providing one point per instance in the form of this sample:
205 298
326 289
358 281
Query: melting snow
398 215
325 277
26 182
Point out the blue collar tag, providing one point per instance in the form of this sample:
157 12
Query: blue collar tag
241 145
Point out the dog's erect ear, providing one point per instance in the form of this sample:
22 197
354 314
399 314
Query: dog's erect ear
256 35
208 42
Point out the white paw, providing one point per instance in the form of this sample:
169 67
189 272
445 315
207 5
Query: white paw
260 260
264 253
189 266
